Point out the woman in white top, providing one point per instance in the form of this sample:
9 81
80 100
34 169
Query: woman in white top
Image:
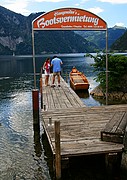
46 68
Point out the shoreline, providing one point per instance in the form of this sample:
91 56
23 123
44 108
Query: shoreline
98 93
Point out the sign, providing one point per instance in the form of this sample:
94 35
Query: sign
67 19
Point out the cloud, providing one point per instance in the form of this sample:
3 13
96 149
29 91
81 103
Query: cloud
95 10
17 6
120 24
54 1
84 1
114 1
81 3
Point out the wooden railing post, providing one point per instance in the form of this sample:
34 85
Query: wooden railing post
35 99
44 107
125 140
57 150
66 77
41 89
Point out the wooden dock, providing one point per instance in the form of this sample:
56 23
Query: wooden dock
80 126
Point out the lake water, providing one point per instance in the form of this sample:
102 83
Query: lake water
22 153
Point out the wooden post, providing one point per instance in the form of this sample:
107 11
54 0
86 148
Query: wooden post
41 92
113 163
41 88
125 140
57 150
37 143
44 107
66 77
35 98
50 121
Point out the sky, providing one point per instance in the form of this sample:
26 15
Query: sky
114 12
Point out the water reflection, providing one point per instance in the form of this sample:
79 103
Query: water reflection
12 66
37 143
83 93
22 154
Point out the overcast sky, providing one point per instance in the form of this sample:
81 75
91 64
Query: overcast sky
114 12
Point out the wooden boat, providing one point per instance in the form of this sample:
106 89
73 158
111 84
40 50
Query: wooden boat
78 80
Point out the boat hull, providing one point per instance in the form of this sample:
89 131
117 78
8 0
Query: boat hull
78 80
78 86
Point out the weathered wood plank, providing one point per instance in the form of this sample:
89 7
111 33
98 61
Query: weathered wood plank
115 128
50 99
99 109
123 124
52 96
80 126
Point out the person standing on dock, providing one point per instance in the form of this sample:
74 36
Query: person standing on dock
56 63
46 68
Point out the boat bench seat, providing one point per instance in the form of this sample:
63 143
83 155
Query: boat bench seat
78 80
115 128
75 74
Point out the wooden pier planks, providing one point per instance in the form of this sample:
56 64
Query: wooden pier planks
115 129
80 126
80 131
60 97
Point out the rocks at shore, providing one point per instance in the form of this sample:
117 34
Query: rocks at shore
99 93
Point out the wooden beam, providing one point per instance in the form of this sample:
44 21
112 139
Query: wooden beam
57 150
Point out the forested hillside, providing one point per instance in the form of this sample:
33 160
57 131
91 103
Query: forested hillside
121 43
99 37
16 36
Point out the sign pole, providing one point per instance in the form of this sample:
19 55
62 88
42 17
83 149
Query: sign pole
106 68
34 59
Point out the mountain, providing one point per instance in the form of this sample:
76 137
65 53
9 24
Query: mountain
99 37
120 44
14 30
16 36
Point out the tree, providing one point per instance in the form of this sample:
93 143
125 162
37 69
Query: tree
117 67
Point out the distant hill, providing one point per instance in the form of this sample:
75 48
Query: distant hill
14 30
15 36
99 37
120 44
